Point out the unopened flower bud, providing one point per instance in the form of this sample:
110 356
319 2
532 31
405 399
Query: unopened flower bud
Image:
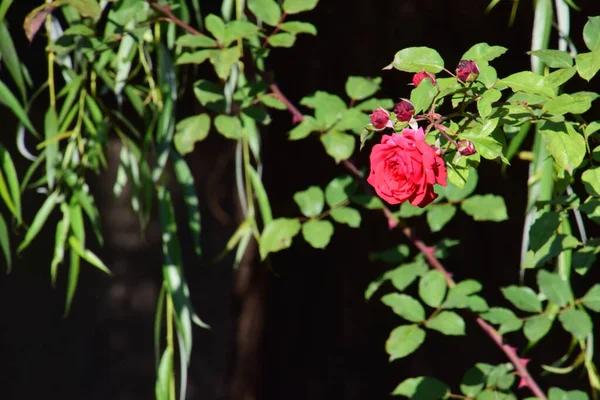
419 76
466 147
467 71
380 119
404 110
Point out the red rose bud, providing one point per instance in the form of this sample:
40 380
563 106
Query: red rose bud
404 110
466 147
467 71
419 76
380 119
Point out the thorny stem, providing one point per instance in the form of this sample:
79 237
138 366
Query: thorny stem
429 254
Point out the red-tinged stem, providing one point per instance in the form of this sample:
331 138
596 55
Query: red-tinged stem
429 254
166 11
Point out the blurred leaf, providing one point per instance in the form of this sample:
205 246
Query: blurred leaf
310 201
261 196
591 181
483 52
304 128
317 233
196 57
346 215
523 298
5 244
576 322
267 11
164 375
277 235
406 274
553 58
528 82
559 394
228 126
10 191
298 6
554 288
338 190
10 58
392 255
404 340
186 182
473 382
283 39
485 208
35 18
359 88
215 25
536 327
189 131
51 149
223 60
338 145
591 33
87 255
39 220
60 240
8 99
298 27
72 279
588 64
329 108
592 298
438 215
422 96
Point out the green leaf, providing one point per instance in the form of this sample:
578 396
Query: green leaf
298 27
317 233
11 193
422 388
592 298
189 131
553 58
9 100
559 394
478 304
405 306
588 64
267 11
228 126
283 39
564 143
523 298
432 288
473 382
487 75
277 235
10 58
422 96
537 327
577 322
484 104
215 25
359 88
188 188
60 239
455 194
338 145
404 340
273 102
196 57
261 195
238 30
568 104
483 52
87 255
304 128
416 59
329 109
373 104
310 201
560 76
298 6
485 208
591 181
51 145
5 243
554 288
439 215
499 315
406 274
488 140
392 255
591 33
552 248
448 323
223 61
209 94
407 210
338 190
40 219
190 40
346 215
164 375
528 82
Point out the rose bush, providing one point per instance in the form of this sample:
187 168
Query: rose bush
405 167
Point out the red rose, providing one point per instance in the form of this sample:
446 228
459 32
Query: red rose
467 71
404 110
419 76
404 167
381 119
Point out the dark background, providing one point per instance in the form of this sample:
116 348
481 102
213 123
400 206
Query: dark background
301 330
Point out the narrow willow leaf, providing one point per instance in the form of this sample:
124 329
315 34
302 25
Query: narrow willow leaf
5 244
188 187
5 194
40 219
158 321
183 368
72 90
76 218
165 127
8 99
127 48
60 239
87 255
87 203
8 167
164 375
261 196
51 148
10 58
74 261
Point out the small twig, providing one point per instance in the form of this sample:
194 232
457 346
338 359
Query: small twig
429 254
166 11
